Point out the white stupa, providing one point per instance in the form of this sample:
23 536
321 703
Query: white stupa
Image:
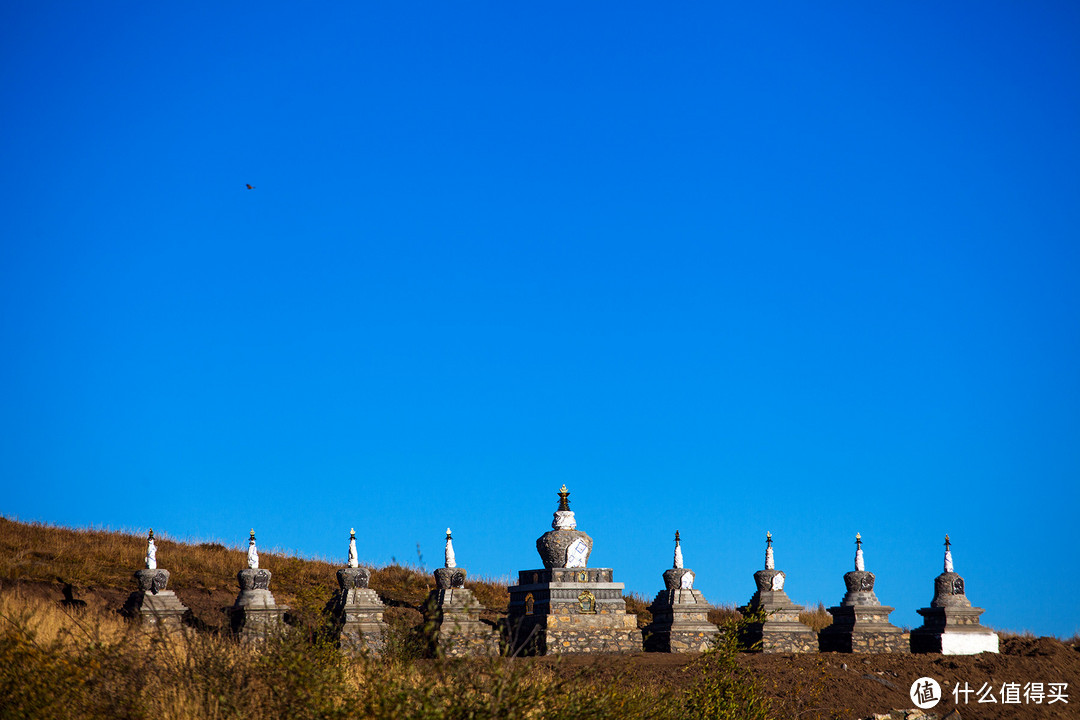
951 625
151 552
252 552
451 562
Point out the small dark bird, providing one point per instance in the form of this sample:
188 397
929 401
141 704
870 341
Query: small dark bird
250 187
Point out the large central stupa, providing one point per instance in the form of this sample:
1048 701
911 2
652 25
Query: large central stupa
568 607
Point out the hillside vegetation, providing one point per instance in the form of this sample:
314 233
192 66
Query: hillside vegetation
66 653
104 559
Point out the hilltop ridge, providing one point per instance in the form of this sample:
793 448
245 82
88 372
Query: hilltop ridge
98 565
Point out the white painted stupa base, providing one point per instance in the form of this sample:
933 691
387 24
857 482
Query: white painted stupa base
959 643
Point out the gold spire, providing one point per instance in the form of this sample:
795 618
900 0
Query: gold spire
564 499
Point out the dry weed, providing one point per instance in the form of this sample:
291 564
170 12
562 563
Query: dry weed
816 618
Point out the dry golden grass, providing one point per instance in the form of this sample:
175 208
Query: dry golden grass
1004 635
638 604
51 622
720 614
92 558
817 618
104 668
107 558
492 593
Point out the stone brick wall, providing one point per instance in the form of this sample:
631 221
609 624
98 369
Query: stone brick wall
895 641
457 630
680 622
781 640
257 623
678 641
570 610
610 632
470 646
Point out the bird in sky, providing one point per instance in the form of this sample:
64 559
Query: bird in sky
250 187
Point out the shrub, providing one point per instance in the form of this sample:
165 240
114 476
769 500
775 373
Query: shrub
725 690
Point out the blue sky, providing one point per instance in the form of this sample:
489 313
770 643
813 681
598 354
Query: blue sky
720 269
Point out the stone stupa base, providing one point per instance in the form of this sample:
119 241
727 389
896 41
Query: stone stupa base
863 629
152 606
951 625
781 632
953 631
362 628
358 613
255 615
568 635
570 610
458 631
680 623
162 612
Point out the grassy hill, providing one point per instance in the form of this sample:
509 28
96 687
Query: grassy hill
99 561
95 560
65 652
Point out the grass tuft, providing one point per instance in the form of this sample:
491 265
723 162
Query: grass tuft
720 614
817 618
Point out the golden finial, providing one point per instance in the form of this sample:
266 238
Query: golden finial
352 533
447 533
947 543
858 539
151 533
564 498
676 536
252 534
768 538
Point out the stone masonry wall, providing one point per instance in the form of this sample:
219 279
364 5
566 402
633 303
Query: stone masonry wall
782 641
475 642
676 641
591 634
865 642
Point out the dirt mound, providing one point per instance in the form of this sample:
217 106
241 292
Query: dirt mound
1033 646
